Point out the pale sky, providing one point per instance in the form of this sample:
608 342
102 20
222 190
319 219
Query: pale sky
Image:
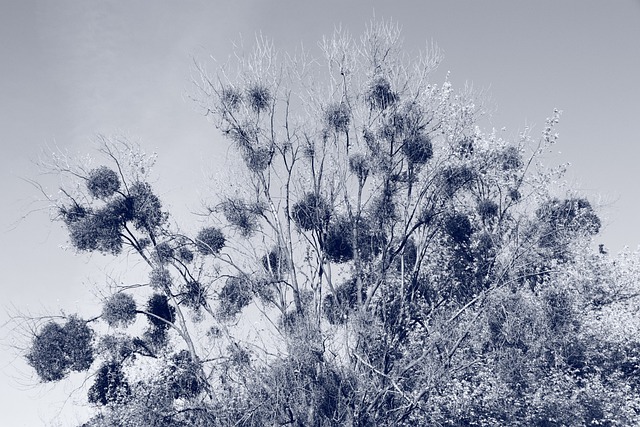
70 69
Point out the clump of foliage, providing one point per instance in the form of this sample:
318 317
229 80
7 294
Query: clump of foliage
119 310
311 213
455 178
184 254
488 209
336 307
234 296
275 262
184 375
338 117
418 149
161 314
458 227
160 278
164 252
56 350
258 159
145 207
359 165
195 295
231 98
380 94
511 158
110 385
242 215
259 97
103 182
210 241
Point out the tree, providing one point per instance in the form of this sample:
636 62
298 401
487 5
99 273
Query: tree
408 268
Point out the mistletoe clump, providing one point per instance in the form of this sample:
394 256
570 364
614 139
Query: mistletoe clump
184 254
259 97
487 209
184 378
380 95
455 178
73 213
195 295
210 241
311 213
337 306
160 313
359 165
110 385
102 182
98 231
458 227
275 262
164 252
160 278
511 158
418 149
145 206
338 244
338 117
234 296
56 350
242 215
231 98
257 159
119 310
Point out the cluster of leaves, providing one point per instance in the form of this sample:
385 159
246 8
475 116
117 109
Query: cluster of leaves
56 350
104 228
234 296
119 310
110 385
210 241
161 315
336 306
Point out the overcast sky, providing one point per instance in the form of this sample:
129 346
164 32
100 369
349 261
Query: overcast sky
70 69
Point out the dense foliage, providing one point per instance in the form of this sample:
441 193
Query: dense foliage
385 262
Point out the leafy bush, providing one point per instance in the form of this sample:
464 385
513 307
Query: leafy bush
98 231
102 182
146 207
338 117
160 312
110 385
210 241
380 95
231 98
311 213
56 349
160 279
241 215
184 254
164 252
119 310
195 295
359 166
418 149
258 97
488 209
458 228
234 296
336 307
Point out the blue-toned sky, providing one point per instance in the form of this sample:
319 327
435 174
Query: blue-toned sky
70 69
